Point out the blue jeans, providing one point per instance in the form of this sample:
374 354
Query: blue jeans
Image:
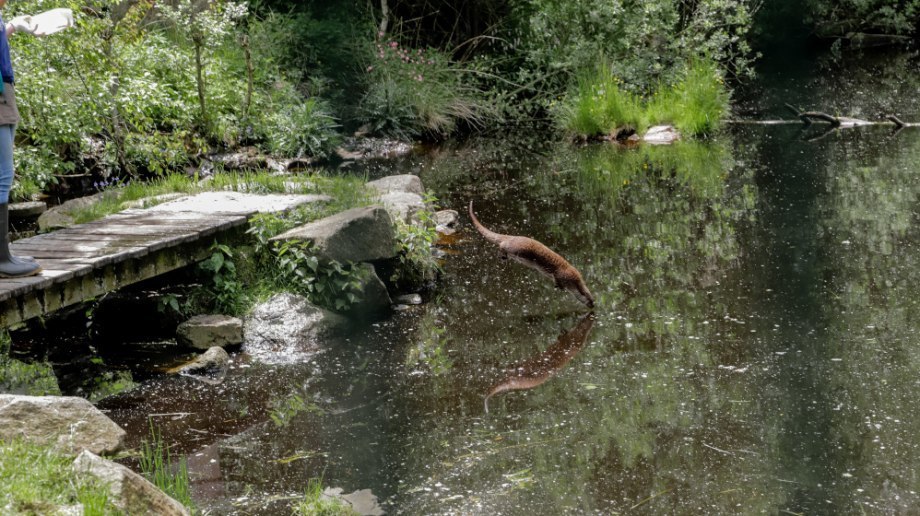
7 133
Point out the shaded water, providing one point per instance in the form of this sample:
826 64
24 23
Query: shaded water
753 348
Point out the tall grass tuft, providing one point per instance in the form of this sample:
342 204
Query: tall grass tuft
696 104
155 462
599 106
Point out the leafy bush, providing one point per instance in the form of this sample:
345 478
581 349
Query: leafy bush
304 129
222 291
326 283
417 264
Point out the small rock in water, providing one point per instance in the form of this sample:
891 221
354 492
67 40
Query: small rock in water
409 299
210 367
446 221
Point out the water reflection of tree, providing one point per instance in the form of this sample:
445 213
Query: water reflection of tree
642 418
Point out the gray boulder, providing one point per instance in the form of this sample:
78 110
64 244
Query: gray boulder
288 329
147 202
374 297
356 235
209 367
24 210
207 331
63 215
69 424
407 183
130 492
403 205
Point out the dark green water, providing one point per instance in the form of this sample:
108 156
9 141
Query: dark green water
753 350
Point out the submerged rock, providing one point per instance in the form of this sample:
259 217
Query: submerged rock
409 299
363 502
287 328
207 331
67 423
356 235
209 367
130 492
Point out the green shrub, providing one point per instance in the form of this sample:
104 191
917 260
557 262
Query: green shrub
302 129
418 92
417 265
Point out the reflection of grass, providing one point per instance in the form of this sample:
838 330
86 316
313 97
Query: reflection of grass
36 480
314 503
699 167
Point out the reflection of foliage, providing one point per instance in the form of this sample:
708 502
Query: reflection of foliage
110 383
17 377
430 350
314 503
285 409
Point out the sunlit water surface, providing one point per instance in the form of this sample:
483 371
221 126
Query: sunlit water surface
753 348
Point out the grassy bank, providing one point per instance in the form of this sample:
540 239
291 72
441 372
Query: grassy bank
36 480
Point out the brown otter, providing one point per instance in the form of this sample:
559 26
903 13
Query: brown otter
539 368
537 256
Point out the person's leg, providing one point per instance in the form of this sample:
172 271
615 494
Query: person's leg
10 267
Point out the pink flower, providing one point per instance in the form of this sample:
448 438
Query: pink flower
370 68
393 44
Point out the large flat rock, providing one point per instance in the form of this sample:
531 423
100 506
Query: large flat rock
237 203
69 424
356 235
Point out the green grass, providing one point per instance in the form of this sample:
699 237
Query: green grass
599 106
36 480
313 503
695 105
156 464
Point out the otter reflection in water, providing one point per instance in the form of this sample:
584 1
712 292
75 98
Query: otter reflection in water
539 368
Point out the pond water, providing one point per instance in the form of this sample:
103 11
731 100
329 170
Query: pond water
753 348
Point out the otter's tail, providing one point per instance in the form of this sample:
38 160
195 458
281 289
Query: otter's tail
491 236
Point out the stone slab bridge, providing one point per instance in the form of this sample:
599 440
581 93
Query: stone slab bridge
85 261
